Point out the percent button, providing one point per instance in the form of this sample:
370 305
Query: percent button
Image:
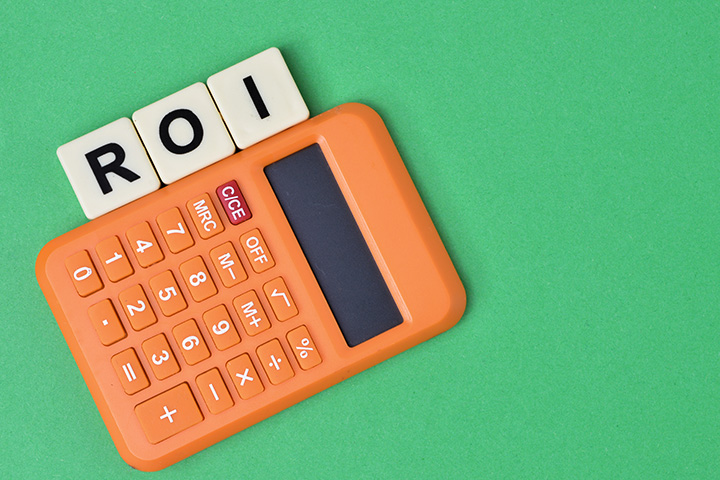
303 348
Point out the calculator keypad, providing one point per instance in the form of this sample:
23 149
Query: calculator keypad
159 302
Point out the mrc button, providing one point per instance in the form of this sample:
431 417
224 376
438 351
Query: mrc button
233 202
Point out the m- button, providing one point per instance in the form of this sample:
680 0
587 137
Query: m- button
256 251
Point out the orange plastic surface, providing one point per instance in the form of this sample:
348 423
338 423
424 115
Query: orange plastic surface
392 219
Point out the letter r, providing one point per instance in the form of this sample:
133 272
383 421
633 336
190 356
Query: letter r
115 166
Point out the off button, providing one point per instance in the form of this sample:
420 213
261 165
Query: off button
256 251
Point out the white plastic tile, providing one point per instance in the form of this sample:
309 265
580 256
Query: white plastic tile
258 98
183 132
108 168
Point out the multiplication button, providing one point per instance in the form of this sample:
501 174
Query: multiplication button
244 376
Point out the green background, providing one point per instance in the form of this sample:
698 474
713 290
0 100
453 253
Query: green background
568 156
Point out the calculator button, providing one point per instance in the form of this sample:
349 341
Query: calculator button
129 371
204 216
197 279
137 308
83 273
244 376
304 348
221 327
214 392
256 251
191 343
280 300
233 202
273 359
169 413
160 357
227 264
113 259
253 317
167 293
144 245
106 322
174 230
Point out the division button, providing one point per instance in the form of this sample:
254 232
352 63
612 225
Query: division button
169 413
274 362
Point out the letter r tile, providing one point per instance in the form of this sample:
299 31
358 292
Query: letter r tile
108 168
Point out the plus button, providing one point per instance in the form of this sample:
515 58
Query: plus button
168 414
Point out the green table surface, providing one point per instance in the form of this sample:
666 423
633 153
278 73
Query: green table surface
568 155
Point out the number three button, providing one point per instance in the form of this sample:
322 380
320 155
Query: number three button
160 357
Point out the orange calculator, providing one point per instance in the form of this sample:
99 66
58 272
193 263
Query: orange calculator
249 285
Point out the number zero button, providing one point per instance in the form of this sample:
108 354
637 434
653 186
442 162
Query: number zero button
168 414
83 273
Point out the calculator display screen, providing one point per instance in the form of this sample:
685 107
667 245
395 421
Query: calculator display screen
333 245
